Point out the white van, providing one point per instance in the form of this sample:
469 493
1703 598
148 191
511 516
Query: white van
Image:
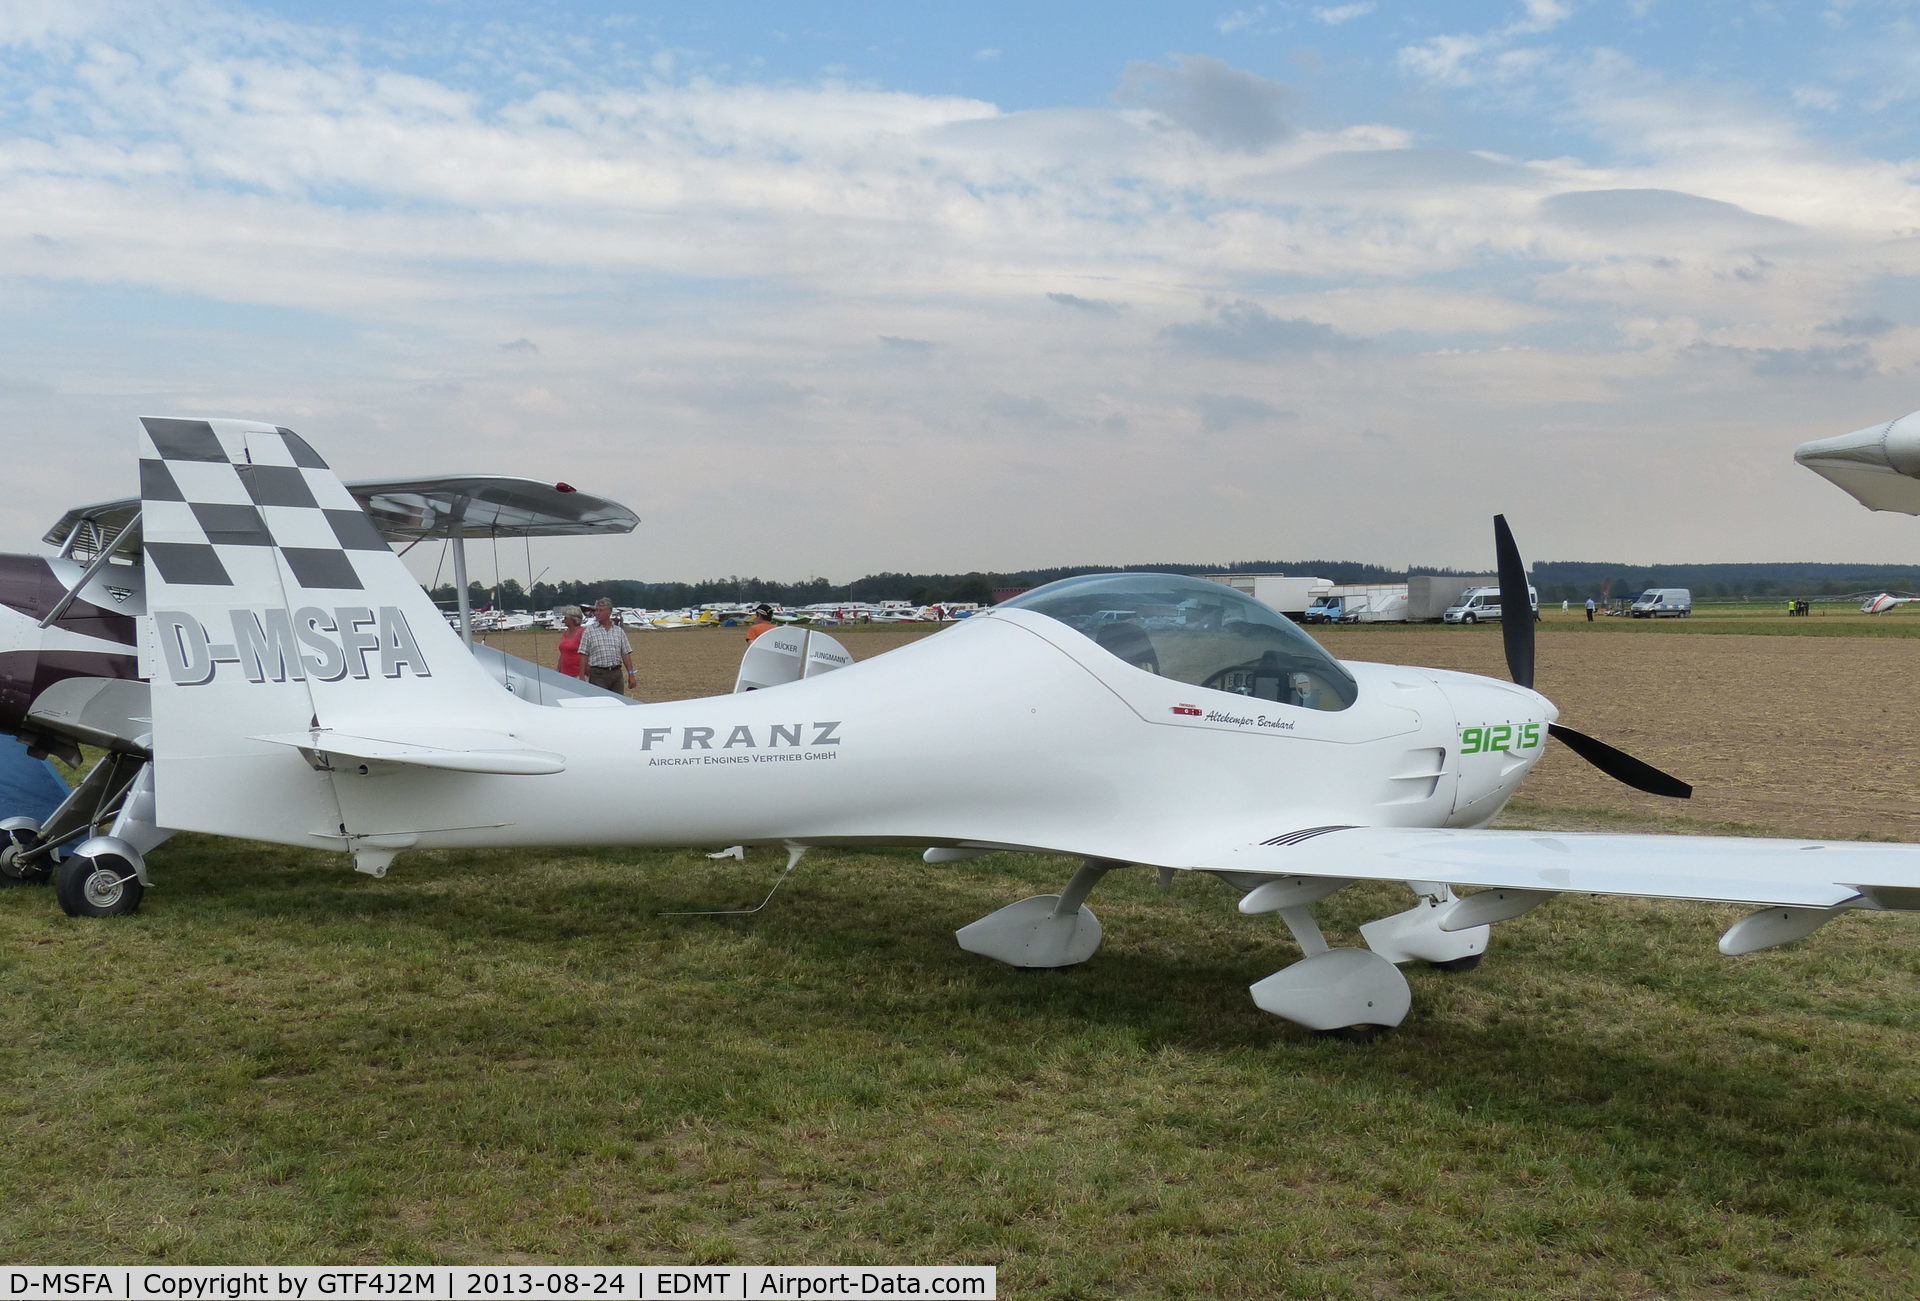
1662 602
1478 604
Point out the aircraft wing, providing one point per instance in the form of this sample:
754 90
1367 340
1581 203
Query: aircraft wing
470 505
1879 465
487 505
1725 869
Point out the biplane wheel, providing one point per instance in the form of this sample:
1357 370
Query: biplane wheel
12 871
103 886
1467 963
1354 1034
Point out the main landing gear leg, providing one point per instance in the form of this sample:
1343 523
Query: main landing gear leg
1352 993
1048 930
1416 935
106 874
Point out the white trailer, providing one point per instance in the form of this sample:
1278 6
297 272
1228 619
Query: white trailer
1290 594
1429 595
1359 603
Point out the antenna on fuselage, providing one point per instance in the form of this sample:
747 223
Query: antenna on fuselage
794 853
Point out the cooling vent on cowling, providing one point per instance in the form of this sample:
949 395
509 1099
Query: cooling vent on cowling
1418 777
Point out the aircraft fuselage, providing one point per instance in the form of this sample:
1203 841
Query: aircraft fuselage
1005 730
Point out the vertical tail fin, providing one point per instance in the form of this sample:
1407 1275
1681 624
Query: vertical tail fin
276 606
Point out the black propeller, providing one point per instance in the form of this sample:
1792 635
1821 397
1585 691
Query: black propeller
1516 631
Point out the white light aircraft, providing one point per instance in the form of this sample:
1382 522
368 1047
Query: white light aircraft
1879 467
306 693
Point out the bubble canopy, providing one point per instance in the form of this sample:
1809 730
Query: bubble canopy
1198 632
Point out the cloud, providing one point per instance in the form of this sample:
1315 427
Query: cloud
1335 15
1659 211
1220 104
1858 327
1220 412
1240 20
1245 331
1496 55
1093 306
1542 15
1850 361
1406 170
1030 411
789 280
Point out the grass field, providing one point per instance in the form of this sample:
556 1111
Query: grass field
1758 618
502 1057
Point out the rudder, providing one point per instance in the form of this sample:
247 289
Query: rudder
276 606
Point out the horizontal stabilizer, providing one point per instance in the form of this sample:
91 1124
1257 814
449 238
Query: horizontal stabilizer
453 749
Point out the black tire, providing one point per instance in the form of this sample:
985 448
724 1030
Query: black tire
14 873
1467 963
1468 618
97 887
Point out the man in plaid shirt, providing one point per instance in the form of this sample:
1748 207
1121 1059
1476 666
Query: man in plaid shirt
606 650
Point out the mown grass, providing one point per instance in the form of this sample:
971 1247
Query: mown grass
500 1057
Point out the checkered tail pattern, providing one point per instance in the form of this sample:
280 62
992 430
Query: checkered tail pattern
222 500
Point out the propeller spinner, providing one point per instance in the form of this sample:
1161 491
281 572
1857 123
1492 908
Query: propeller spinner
1516 631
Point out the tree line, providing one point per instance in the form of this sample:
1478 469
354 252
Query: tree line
1556 580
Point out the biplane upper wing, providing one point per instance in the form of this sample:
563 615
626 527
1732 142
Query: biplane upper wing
430 506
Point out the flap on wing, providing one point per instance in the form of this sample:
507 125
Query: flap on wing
1728 869
454 749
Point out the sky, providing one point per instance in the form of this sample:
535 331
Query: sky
829 290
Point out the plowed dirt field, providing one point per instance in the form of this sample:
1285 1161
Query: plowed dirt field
1799 735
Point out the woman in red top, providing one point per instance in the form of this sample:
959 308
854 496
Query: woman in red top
572 662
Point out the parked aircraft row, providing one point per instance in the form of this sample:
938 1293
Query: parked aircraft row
823 615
